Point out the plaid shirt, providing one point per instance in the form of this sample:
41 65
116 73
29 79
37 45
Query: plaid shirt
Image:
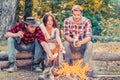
80 31
28 37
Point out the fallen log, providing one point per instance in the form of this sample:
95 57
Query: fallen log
105 39
100 56
106 76
106 56
19 56
19 63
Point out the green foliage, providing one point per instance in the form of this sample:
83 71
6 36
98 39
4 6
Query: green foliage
28 8
3 43
98 11
111 27
19 11
95 19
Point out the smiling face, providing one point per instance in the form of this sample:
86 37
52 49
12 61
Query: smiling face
77 15
49 21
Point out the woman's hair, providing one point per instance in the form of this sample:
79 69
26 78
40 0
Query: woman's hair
45 19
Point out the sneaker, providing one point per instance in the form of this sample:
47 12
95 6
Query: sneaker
46 70
38 69
12 67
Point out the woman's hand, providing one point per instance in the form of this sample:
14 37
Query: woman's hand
54 41
53 57
62 49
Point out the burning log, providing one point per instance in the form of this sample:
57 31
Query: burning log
67 72
71 72
20 55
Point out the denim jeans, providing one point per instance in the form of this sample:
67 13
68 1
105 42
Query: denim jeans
34 47
86 51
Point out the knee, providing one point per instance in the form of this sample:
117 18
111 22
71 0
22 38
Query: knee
66 44
10 40
90 43
36 41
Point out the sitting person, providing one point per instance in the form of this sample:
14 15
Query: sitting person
26 36
51 33
77 33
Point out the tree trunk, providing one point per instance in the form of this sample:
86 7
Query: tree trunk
7 15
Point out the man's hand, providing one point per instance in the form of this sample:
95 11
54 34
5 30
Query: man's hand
78 43
75 42
19 34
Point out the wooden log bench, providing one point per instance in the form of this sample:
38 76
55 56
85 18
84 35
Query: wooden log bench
107 63
23 58
20 55
98 56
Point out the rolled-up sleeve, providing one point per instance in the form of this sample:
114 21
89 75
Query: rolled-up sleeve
40 35
66 27
88 28
16 28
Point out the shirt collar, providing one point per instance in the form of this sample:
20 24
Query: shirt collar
83 19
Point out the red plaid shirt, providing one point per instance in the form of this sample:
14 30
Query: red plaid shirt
28 37
80 31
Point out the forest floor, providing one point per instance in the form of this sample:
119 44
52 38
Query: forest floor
99 67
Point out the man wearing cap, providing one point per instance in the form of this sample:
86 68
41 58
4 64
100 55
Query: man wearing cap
26 36
77 33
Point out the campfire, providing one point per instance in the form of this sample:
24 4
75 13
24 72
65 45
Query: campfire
72 72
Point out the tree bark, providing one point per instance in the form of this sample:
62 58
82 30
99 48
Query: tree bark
7 15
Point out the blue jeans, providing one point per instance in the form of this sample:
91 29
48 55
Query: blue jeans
34 47
86 51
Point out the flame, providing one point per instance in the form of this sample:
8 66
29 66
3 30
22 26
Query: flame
76 69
